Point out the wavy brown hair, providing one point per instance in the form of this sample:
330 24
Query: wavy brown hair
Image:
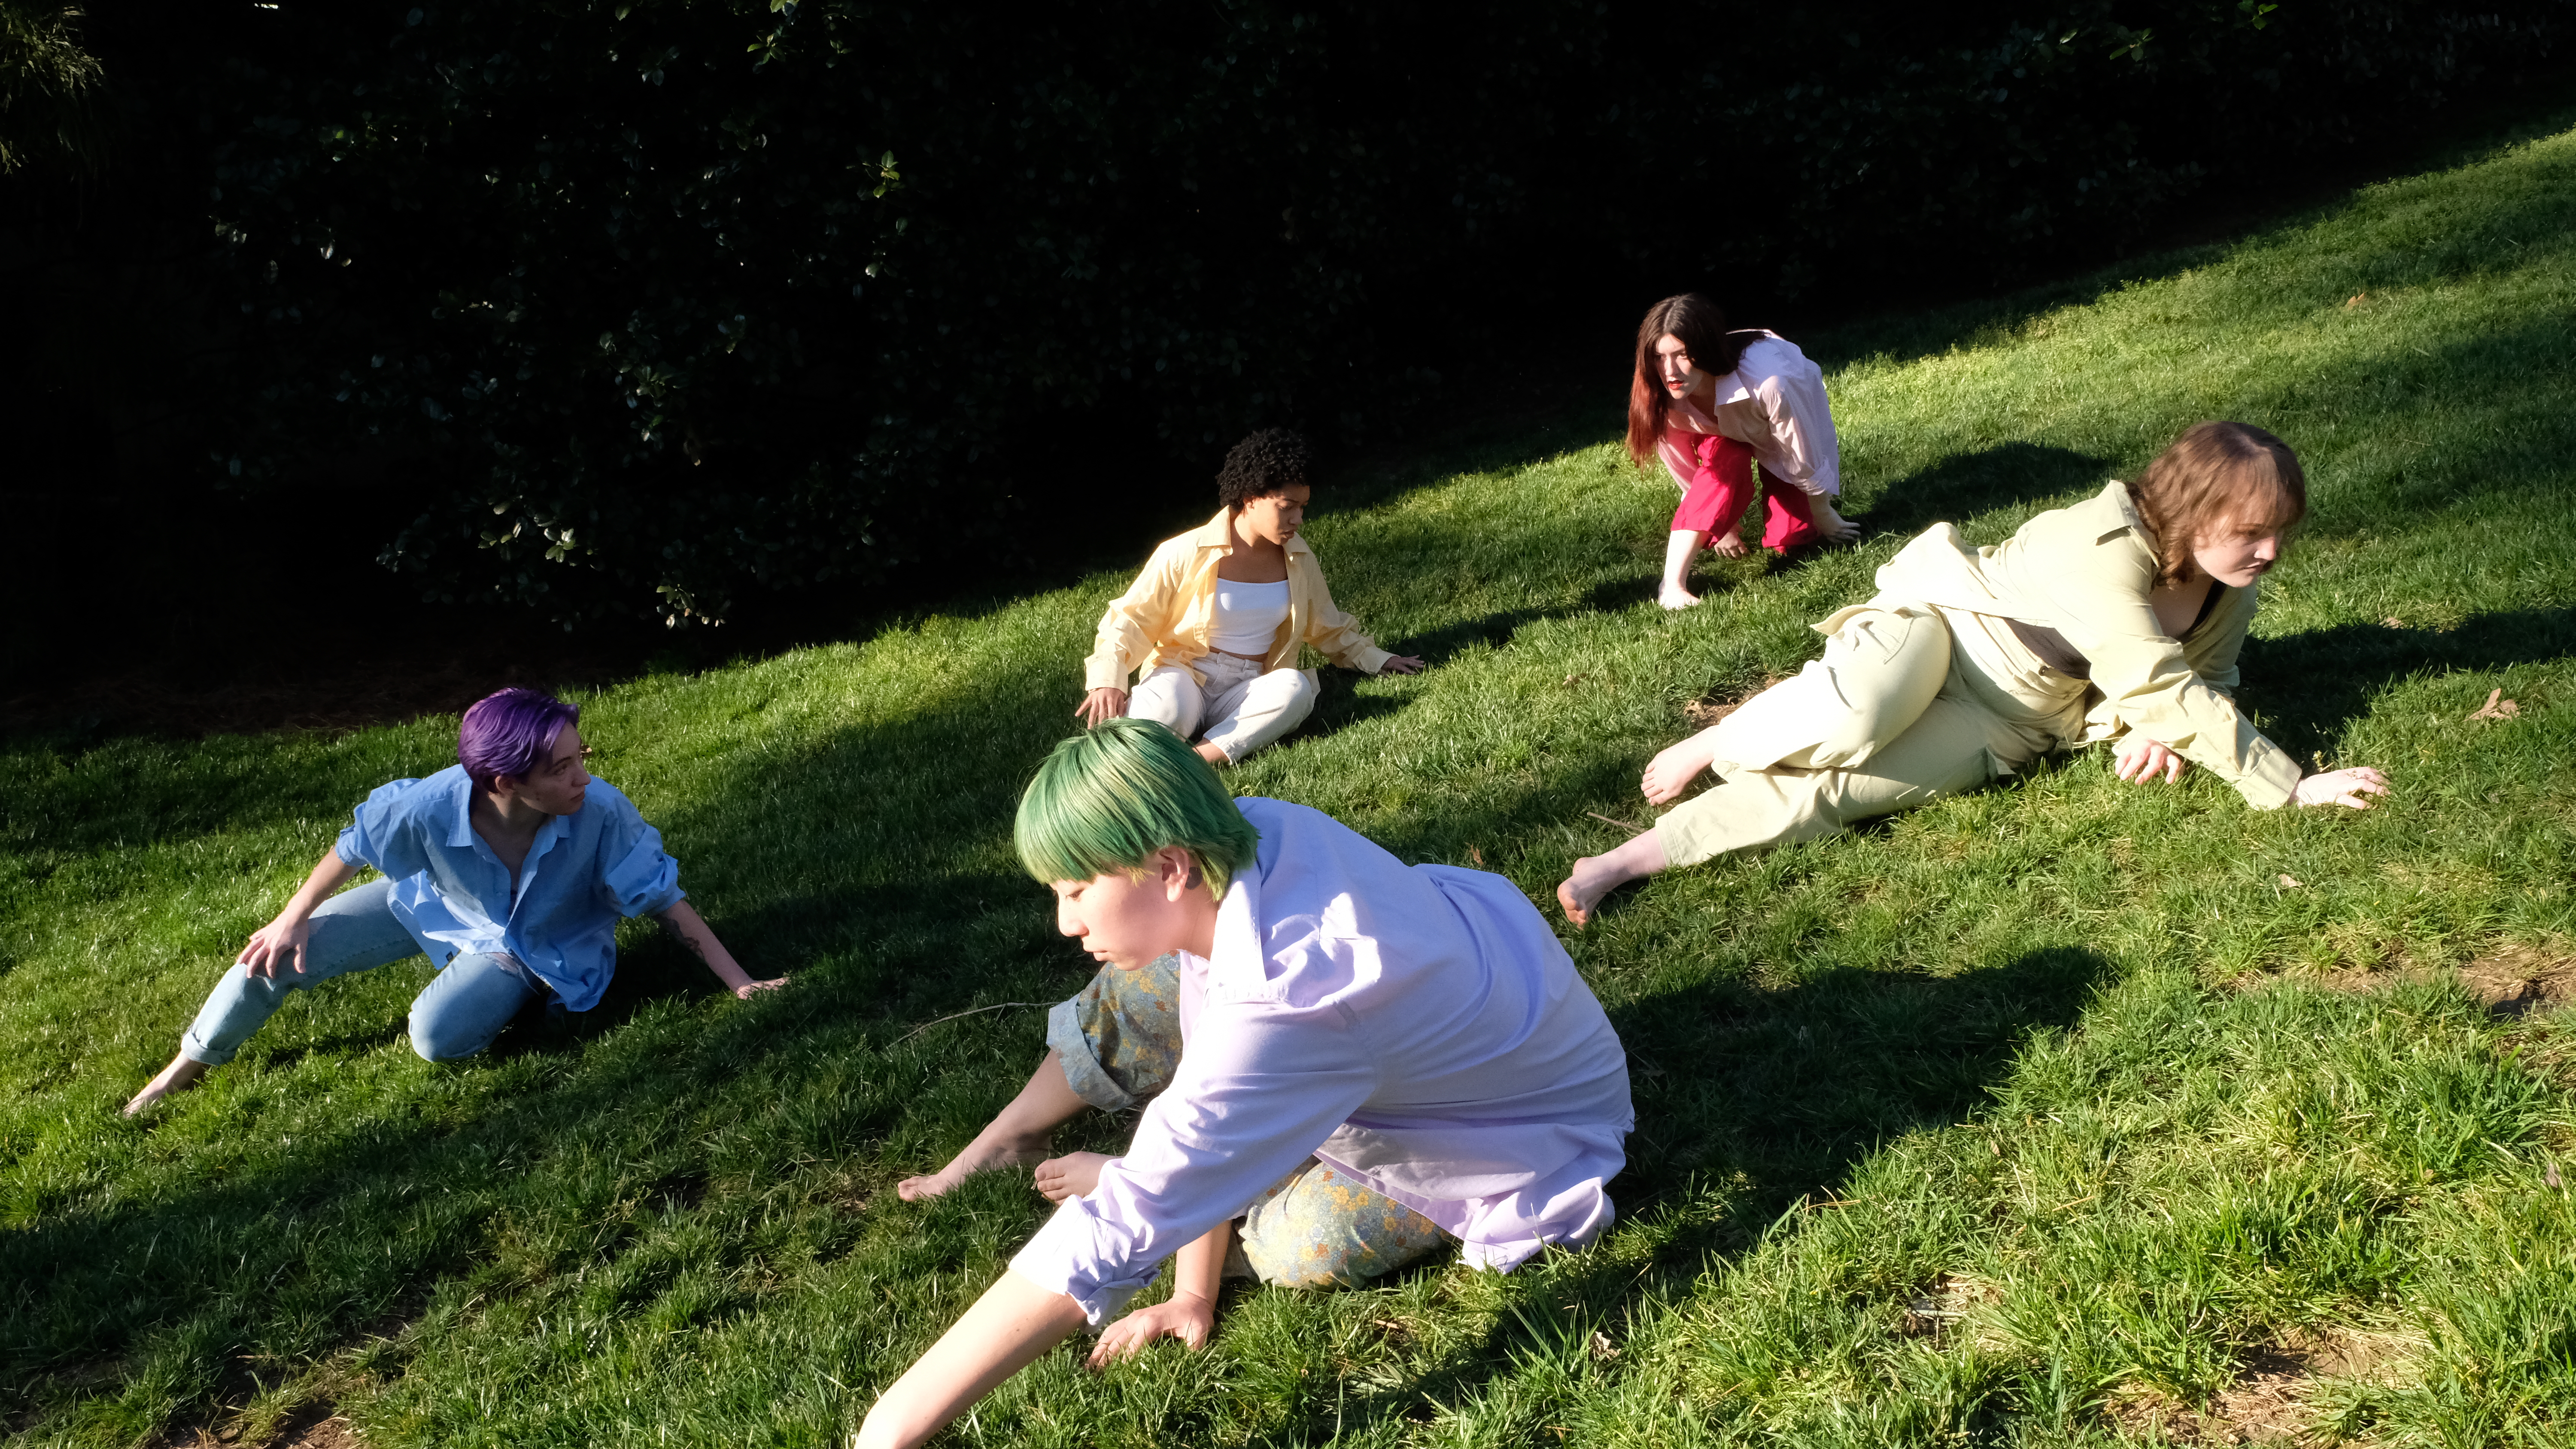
2217 476
1701 325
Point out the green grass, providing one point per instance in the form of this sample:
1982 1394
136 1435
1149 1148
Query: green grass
2004 1122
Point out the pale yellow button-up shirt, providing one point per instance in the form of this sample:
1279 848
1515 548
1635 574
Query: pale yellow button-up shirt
2085 572
1166 616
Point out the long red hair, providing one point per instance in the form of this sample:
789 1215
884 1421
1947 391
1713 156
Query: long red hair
1701 325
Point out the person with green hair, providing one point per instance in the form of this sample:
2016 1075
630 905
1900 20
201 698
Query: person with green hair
1353 1061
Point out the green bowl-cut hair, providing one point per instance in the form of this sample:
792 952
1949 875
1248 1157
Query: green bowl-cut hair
1114 794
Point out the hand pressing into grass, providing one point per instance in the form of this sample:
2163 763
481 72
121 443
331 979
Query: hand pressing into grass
2141 759
1188 1315
1185 1316
2348 788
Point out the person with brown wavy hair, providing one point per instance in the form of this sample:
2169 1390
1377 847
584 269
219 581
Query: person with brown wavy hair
1709 402
2119 618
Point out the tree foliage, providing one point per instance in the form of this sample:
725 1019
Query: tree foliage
51 106
667 304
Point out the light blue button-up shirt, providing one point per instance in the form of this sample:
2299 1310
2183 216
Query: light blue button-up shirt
452 893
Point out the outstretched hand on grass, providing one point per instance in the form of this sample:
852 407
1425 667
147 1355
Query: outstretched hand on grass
1835 527
1185 1316
2141 759
2349 788
1401 664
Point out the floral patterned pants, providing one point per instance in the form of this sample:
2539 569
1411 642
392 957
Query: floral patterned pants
1318 1227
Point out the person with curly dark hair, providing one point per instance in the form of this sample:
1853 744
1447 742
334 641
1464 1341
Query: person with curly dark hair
1217 619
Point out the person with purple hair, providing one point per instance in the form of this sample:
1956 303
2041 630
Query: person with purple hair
509 869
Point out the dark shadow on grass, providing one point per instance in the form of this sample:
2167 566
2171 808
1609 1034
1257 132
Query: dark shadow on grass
1779 1094
2311 687
1965 485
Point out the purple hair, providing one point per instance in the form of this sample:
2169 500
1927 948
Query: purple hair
510 733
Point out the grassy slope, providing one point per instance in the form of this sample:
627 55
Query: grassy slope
2056 1055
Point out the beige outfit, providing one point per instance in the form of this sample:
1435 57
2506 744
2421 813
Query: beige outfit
1163 622
1928 690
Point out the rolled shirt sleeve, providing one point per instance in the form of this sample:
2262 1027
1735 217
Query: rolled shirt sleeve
638 876
380 834
1804 449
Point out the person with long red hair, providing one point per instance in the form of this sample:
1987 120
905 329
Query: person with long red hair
1710 402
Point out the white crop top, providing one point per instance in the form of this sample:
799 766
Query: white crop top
1248 617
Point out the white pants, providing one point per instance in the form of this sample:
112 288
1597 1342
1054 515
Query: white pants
1241 707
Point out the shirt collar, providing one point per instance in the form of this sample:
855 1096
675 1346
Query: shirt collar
2119 505
460 833
1235 963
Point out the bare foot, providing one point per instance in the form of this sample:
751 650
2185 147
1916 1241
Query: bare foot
1670 772
1596 876
1578 909
1212 755
1729 545
179 1076
1072 1175
989 1150
1674 596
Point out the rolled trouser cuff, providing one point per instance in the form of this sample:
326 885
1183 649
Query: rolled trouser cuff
1120 1036
1082 1069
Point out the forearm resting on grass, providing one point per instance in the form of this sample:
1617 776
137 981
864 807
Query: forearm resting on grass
691 930
279 945
1188 1315
1007 1329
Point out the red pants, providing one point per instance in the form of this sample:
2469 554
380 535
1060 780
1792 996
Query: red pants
1723 488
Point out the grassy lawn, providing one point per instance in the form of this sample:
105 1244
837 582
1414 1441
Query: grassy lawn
2058 1114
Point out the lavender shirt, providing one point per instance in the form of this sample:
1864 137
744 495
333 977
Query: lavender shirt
1417 1026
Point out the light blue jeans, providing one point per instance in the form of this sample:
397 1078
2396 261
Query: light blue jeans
456 1015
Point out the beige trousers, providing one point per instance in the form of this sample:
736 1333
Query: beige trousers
1909 703
1241 706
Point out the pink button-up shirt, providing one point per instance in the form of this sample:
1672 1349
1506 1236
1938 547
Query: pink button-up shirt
1774 400
1417 1026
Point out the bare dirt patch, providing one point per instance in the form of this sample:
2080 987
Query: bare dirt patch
2270 1401
2512 980
2509 980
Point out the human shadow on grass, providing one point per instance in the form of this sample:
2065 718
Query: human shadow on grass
1963 486
1778 1093
2311 687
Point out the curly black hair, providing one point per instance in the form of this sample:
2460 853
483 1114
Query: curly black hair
1263 464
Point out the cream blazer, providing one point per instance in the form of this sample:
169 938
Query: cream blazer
2085 572
1166 616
